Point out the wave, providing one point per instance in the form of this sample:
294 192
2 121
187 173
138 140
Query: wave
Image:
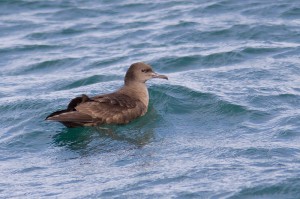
215 59
49 65
182 100
285 189
88 81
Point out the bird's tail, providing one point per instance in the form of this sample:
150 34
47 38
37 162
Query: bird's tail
70 117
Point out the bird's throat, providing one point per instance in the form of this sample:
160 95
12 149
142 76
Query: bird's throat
138 91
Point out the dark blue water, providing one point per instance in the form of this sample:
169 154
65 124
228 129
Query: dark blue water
225 125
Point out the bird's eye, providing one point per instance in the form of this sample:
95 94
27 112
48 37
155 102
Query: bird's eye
146 70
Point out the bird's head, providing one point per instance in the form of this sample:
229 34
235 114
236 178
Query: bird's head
141 72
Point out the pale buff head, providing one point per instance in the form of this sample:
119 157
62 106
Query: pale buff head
141 72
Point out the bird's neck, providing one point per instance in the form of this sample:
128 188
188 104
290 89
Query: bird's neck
138 91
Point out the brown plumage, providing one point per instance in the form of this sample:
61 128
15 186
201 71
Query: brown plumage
121 107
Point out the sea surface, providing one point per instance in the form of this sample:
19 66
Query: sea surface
225 125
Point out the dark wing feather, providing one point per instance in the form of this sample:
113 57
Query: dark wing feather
114 108
70 111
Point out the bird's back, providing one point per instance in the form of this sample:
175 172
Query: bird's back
114 108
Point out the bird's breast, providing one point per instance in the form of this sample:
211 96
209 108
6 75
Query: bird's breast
145 97
137 91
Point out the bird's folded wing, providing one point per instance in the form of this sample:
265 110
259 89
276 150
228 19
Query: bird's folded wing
113 108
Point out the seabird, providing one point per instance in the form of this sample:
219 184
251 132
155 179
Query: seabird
120 107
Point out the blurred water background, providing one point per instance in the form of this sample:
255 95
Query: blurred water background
225 125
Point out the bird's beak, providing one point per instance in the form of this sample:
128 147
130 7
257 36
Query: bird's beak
155 75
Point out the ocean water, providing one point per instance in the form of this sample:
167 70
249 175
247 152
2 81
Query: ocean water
225 125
